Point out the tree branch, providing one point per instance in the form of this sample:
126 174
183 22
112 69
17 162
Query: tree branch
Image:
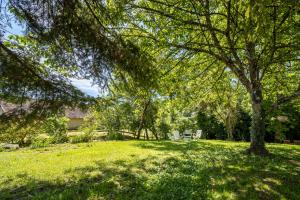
285 99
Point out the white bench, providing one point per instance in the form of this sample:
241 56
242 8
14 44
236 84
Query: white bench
187 135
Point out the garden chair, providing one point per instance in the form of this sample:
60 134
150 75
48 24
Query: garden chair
198 134
187 135
171 137
176 135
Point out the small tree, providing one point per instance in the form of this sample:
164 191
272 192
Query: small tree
89 125
56 127
164 128
242 128
212 129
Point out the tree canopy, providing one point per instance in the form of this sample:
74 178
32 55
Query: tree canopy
252 39
207 54
65 39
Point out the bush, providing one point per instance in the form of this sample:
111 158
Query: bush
115 136
184 123
164 129
242 128
39 142
20 134
212 129
80 138
56 127
59 138
88 128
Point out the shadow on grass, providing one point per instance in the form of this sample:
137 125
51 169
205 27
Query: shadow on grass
194 170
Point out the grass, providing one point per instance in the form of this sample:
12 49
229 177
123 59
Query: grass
99 135
150 170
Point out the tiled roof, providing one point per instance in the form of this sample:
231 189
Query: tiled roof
10 107
75 113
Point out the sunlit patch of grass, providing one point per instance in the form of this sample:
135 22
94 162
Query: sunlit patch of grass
150 170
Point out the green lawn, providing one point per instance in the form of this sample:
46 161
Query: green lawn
150 170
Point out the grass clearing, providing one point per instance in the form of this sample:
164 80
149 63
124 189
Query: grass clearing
150 170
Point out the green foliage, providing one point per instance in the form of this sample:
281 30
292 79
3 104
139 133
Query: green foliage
20 134
40 141
56 127
208 56
183 124
216 46
39 76
212 129
110 115
81 138
164 128
114 136
242 127
278 130
88 129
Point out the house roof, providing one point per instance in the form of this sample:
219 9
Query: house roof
75 113
10 107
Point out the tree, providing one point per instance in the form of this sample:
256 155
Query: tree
242 128
131 105
64 39
251 39
56 127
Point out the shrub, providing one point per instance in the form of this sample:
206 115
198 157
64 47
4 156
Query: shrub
80 138
20 134
114 136
59 138
40 142
164 129
242 128
212 129
183 124
88 128
56 127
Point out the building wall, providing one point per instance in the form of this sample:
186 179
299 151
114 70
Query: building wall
74 123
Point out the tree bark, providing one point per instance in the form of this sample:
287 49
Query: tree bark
257 145
142 120
146 132
230 125
154 133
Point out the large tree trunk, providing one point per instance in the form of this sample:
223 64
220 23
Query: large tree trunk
257 146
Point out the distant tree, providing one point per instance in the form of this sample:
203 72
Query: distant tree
212 129
283 124
242 127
